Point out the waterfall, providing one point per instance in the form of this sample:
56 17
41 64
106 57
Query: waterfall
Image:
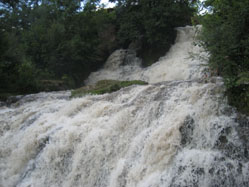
178 64
177 131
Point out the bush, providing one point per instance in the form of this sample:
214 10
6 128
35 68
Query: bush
225 35
27 77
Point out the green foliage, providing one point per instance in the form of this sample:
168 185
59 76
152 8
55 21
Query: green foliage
58 43
27 77
68 81
153 24
61 42
225 35
105 86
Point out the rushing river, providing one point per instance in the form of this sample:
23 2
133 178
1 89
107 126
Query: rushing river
178 131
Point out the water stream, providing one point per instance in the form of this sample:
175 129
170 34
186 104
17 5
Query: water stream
178 131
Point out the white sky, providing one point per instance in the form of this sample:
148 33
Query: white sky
109 5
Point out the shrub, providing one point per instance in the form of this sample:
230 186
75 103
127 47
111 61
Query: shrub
225 35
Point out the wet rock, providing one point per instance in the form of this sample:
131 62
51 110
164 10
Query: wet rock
225 173
243 133
2 104
116 59
226 141
4 127
14 99
243 129
192 180
186 131
220 172
135 45
131 58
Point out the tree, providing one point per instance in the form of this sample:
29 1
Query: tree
152 23
226 36
61 40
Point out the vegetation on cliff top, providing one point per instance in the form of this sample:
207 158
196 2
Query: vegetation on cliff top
43 43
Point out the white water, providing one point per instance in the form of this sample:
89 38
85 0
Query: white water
178 64
175 133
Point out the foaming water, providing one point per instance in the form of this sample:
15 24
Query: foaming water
178 64
177 132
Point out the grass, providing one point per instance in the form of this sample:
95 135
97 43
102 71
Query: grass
104 86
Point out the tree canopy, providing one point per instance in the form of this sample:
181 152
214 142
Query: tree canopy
63 41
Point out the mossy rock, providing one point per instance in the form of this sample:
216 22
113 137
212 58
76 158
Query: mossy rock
105 86
4 96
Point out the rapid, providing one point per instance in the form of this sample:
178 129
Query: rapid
177 131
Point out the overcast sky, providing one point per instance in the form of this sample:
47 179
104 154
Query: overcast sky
108 4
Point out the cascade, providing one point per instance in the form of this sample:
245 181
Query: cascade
177 131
